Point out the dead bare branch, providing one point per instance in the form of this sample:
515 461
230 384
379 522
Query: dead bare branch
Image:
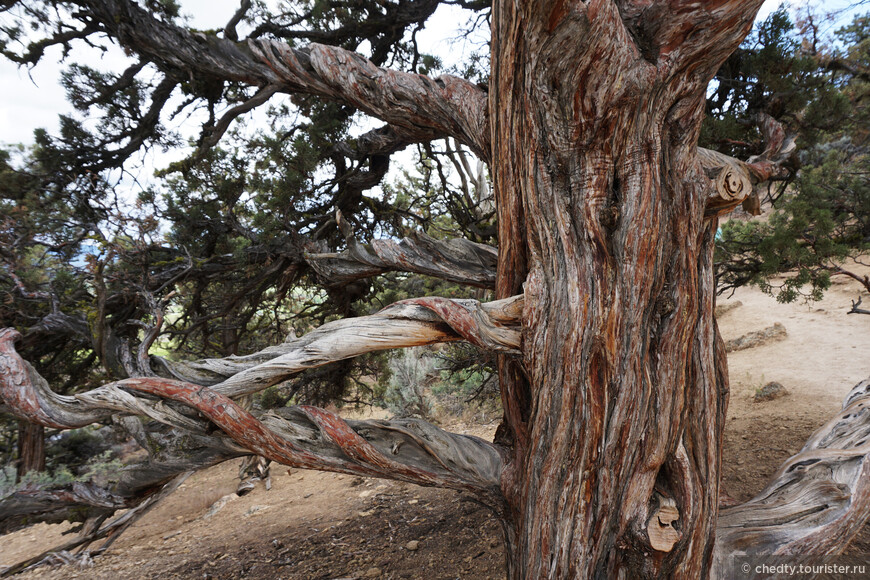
304 436
110 531
856 310
457 260
735 180
817 500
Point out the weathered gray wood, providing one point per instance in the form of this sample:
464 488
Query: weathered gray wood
492 325
172 452
735 181
456 259
417 322
606 215
304 436
110 531
815 503
424 108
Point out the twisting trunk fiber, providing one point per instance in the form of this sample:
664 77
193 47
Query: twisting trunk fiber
617 421
612 369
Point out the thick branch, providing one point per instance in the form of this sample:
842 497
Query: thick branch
425 108
494 326
312 438
734 181
173 452
457 260
680 33
307 437
817 501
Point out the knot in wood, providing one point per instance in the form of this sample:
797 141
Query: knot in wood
732 183
660 528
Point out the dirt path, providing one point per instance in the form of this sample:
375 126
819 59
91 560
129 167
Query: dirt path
318 525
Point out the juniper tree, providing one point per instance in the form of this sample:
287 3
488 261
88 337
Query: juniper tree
612 372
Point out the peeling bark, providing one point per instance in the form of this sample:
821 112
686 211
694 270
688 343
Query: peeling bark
31 448
595 110
172 452
492 325
612 370
305 437
424 108
92 530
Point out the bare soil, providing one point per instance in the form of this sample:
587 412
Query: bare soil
326 526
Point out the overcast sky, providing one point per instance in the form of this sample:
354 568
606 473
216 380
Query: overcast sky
30 99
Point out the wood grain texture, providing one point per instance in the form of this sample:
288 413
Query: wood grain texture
417 322
595 109
408 450
423 108
814 504
456 259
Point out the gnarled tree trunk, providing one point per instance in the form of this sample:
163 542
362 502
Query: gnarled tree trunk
612 370
617 420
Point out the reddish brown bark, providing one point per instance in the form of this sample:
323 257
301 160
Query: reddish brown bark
595 110
31 448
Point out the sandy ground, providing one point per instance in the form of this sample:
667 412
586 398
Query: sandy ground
318 525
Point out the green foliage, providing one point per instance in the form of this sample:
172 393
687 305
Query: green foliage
440 382
100 469
214 244
768 73
823 217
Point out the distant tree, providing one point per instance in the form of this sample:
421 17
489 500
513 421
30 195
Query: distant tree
821 212
611 370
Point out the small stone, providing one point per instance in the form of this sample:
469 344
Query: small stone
769 392
726 307
757 338
255 509
372 572
219 505
412 545
413 501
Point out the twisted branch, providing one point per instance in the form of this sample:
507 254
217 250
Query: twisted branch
817 501
457 260
734 180
423 107
306 437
